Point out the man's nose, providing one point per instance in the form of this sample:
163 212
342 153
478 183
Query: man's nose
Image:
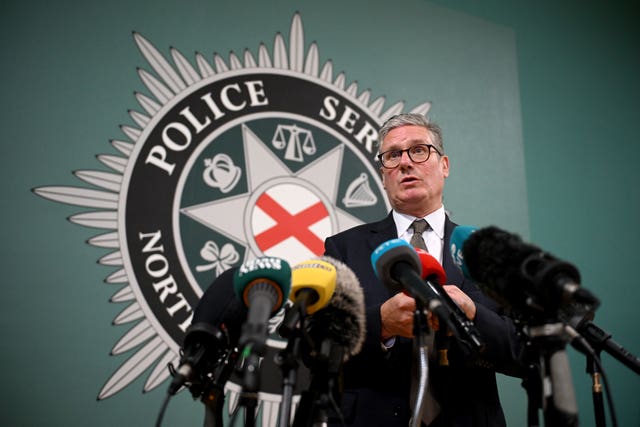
405 159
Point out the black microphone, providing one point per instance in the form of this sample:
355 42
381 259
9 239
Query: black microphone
516 274
220 306
214 331
203 349
534 284
397 264
602 340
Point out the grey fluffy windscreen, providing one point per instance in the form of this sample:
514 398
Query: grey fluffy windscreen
343 319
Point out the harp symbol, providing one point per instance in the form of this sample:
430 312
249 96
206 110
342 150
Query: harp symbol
359 193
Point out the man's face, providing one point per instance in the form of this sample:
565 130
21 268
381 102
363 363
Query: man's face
414 188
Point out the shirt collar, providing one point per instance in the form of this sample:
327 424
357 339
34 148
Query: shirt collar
435 219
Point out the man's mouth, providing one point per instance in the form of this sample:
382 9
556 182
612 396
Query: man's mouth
408 180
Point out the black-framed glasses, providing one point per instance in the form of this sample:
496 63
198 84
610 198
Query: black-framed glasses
418 153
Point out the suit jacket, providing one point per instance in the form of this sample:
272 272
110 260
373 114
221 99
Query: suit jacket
377 381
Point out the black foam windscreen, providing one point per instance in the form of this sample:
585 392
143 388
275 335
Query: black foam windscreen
220 306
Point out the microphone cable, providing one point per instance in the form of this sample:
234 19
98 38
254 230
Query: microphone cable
583 346
163 409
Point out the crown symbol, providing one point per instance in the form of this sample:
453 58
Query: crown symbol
299 142
221 173
359 193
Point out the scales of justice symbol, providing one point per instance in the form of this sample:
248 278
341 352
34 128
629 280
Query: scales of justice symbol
297 142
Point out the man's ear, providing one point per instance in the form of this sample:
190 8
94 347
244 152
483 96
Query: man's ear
445 165
384 185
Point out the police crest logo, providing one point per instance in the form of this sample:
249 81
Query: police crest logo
226 161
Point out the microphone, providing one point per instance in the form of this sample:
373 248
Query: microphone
397 264
435 276
263 285
532 283
341 321
212 334
333 334
312 285
220 306
431 269
460 235
602 340
516 274
203 349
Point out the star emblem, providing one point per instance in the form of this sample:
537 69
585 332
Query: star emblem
277 196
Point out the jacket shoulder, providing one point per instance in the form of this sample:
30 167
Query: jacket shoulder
381 226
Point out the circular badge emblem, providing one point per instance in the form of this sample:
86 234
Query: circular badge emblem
217 180
227 162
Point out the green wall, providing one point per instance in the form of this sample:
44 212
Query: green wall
578 64
538 101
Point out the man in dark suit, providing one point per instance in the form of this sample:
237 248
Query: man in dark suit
377 382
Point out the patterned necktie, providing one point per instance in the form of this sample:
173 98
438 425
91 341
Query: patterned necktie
417 241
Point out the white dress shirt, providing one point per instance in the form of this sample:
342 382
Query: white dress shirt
433 236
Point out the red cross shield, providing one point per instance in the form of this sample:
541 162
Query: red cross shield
290 220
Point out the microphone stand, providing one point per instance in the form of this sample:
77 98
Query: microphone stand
326 364
250 385
212 395
591 340
549 385
287 359
421 353
596 390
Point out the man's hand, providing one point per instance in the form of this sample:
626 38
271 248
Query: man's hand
397 316
397 313
466 304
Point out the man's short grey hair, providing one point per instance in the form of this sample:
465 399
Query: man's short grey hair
404 119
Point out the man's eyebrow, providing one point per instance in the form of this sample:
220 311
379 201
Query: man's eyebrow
397 145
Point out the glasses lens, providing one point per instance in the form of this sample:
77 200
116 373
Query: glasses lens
391 159
419 153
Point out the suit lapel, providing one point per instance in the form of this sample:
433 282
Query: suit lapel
384 230
381 231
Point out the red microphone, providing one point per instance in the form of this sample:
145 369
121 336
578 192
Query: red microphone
431 268
432 272
435 276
